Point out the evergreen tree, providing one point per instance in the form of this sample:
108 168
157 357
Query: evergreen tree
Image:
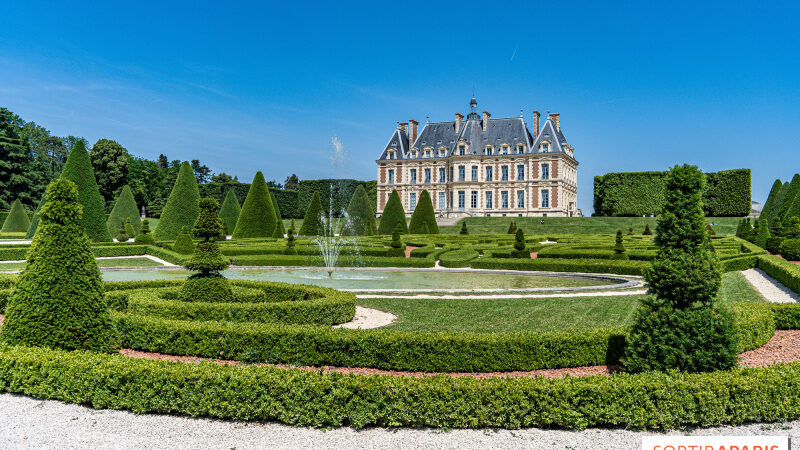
361 218
679 326
464 228
229 213
17 219
790 206
290 250
423 219
144 237
79 170
129 230
15 179
257 219
125 209
110 164
619 247
520 248
35 220
279 229
183 243
59 299
792 228
762 233
312 221
776 227
647 230
771 199
393 214
181 209
512 228
207 285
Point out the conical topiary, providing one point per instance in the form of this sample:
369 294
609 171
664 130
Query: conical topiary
762 233
181 209
229 212
183 243
790 206
207 285
144 237
647 230
619 248
78 169
360 218
771 199
35 220
257 219
59 300
312 221
520 248
125 209
17 219
393 214
279 229
129 228
512 228
464 229
423 219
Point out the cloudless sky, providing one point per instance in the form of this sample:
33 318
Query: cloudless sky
246 87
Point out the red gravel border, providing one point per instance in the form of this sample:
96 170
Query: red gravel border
409 248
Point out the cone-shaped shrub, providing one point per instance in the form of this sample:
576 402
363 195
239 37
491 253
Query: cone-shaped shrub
393 214
619 247
207 285
312 221
257 218
360 216
512 228
183 243
679 326
762 233
647 230
520 249
181 209
279 229
771 199
124 208
789 198
59 299
17 219
423 219
229 212
144 237
464 229
122 234
78 169
35 220
396 247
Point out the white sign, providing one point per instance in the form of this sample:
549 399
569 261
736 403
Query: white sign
715 443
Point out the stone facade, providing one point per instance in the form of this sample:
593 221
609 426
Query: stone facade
480 166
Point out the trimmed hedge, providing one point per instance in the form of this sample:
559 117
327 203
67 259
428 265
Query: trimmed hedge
182 208
393 215
563 265
16 220
229 212
784 271
317 261
257 218
458 258
78 169
124 209
340 191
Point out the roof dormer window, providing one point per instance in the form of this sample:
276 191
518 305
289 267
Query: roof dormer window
545 147
462 149
489 150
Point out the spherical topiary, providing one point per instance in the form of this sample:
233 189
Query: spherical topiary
393 214
59 299
619 248
790 249
17 219
144 237
396 247
360 217
257 218
312 221
78 169
183 243
290 250
207 285
122 235
125 209
181 209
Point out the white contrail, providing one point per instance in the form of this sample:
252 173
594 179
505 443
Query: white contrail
514 53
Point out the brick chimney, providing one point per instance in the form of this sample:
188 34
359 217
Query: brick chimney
536 117
486 117
404 126
556 118
459 119
412 130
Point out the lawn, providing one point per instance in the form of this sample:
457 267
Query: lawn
117 262
531 314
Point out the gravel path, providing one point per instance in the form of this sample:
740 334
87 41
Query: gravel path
367 318
32 423
772 289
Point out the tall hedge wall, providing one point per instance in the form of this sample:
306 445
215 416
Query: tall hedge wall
342 192
287 199
642 193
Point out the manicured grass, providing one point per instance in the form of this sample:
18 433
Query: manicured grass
12 235
531 314
119 262
573 225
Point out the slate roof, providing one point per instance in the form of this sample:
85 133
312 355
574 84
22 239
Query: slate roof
510 130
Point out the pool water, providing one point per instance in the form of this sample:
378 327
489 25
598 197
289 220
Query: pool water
378 279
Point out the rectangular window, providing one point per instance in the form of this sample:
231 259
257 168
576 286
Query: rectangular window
488 199
451 177
391 176
442 200
520 199
460 199
545 198
520 172
413 176
461 173
488 174
474 173
504 199
462 149
519 150
545 148
545 171
504 173
427 176
473 200
441 175
412 201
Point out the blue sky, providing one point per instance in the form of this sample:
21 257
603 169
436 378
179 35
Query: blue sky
246 88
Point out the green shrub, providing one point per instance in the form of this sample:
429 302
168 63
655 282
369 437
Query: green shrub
790 249
279 229
360 215
35 220
229 212
647 230
771 199
78 169
335 194
762 233
144 237
129 228
520 248
619 248
312 221
563 265
423 219
458 258
58 301
257 218
290 250
393 215
122 234
463 230
183 243
124 209
512 228
396 247
181 209
17 219
774 244
207 285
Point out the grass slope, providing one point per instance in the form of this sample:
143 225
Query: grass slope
577 225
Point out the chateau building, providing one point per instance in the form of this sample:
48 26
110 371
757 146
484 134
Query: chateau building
480 166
